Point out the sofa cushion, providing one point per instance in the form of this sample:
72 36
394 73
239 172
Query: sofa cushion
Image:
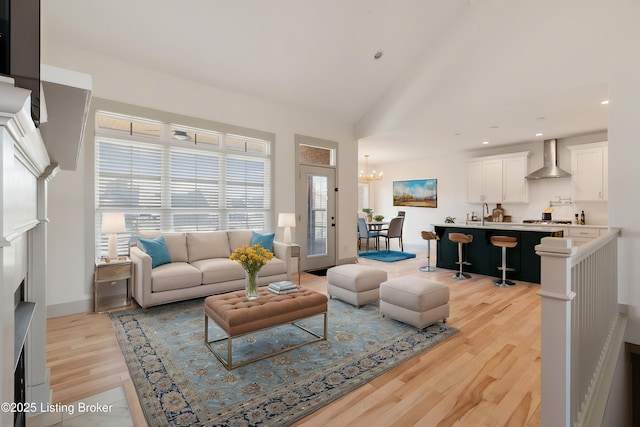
216 270
266 240
273 267
205 245
176 243
239 238
176 275
157 250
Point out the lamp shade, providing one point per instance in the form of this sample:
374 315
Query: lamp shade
112 222
286 220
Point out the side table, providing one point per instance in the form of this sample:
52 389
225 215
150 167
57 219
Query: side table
295 253
112 284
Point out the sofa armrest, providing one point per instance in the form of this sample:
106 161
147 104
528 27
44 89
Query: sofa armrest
142 276
282 251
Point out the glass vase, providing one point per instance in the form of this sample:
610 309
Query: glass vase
251 285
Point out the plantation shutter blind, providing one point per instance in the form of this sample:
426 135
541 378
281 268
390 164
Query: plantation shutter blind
247 191
194 189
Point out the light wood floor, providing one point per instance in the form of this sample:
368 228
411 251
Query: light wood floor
486 375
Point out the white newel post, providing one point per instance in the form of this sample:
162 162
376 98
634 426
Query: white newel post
556 297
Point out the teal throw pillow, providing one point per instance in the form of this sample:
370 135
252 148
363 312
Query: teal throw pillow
157 250
266 240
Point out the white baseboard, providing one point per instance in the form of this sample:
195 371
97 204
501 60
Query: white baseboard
351 260
73 307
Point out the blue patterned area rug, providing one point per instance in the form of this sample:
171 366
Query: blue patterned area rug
386 256
181 383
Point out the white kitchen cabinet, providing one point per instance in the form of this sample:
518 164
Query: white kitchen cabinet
589 171
498 179
582 235
515 188
475 181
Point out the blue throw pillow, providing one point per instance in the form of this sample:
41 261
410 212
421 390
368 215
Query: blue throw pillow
157 250
266 240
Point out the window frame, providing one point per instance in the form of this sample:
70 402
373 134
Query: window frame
258 217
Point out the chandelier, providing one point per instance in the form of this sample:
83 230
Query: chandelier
365 175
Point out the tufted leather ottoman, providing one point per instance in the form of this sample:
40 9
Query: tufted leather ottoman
414 300
237 316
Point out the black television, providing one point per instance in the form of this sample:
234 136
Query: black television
20 47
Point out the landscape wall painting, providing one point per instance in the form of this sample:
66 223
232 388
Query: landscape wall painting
418 192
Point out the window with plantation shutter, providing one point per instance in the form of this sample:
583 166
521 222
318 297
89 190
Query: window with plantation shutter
247 190
194 189
186 180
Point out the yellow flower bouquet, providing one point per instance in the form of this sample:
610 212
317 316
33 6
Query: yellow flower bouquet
252 259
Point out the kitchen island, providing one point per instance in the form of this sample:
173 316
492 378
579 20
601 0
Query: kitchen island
486 258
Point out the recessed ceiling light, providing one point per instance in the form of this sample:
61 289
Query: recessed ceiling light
541 118
378 55
494 127
605 102
485 142
539 134
456 134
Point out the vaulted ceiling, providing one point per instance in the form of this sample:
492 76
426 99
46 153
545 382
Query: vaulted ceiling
452 72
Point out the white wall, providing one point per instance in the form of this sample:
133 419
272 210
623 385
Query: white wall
451 175
72 195
624 188
68 256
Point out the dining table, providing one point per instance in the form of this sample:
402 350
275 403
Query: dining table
376 225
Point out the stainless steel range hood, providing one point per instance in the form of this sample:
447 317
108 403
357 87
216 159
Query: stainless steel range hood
550 162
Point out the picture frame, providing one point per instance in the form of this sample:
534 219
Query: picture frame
421 193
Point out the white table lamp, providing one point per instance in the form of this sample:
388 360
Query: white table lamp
113 223
287 220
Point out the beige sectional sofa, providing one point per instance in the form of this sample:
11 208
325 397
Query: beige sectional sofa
200 266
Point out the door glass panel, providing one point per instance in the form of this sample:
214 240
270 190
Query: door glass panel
317 210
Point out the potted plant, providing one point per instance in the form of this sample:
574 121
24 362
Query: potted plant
369 213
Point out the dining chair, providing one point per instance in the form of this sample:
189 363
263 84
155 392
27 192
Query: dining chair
394 231
364 233
400 213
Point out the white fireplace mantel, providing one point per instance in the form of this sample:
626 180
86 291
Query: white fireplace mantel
26 169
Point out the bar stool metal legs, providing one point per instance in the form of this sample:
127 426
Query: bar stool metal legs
428 236
504 242
461 239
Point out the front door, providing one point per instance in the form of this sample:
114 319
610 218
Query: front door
316 216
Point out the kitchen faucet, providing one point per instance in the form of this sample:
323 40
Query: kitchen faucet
484 205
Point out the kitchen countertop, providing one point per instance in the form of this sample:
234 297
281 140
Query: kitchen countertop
520 225
550 228
565 225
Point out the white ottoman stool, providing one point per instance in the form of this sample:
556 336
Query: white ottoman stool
413 300
355 284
